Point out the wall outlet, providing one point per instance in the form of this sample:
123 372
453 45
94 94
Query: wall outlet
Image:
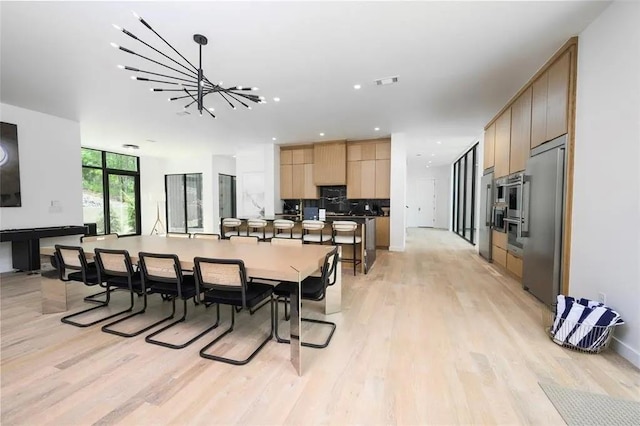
602 298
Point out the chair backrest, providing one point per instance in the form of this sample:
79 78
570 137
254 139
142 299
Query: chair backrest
231 222
220 274
256 223
160 267
90 238
286 242
344 226
71 257
203 236
113 262
330 268
312 225
283 224
178 235
240 239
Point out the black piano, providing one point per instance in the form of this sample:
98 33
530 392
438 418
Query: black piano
25 243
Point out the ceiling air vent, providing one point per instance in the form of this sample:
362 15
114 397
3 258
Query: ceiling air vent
386 80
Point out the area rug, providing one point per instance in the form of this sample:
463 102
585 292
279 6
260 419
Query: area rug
584 408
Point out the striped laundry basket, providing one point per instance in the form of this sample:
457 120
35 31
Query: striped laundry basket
582 324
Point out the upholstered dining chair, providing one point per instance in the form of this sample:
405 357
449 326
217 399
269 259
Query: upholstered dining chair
224 282
312 288
72 258
258 228
230 226
313 232
283 228
345 234
161 273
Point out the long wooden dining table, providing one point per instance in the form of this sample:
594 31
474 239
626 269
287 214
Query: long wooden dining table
262 260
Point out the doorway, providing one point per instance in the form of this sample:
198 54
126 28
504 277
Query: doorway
227 198
422 203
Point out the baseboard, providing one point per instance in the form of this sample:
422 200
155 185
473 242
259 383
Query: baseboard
626 351
396 248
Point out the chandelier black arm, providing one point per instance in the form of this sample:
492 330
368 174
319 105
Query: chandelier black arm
221 92
165 41
166 82
236 99
179 97
124 49
133 36
195 100
253 98
128 68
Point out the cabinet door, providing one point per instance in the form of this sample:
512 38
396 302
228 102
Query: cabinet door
539 110
308 156
354 172
514 265
310 191
368 179
382 231
285 156
489 146
368 151
298 180
499 256
286 181
383 151
383 178
520 132
503 142
558 97
354 152
330 163
297 156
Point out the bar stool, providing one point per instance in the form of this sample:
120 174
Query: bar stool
283 228
344 233
230 226
308 234
258 228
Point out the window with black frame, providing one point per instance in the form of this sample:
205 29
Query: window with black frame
464 195
111 189
184 202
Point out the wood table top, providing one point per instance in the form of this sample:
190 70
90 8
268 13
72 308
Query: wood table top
262 260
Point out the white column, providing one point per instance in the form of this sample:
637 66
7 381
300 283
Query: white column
398 212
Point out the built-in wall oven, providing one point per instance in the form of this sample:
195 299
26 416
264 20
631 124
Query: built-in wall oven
514 189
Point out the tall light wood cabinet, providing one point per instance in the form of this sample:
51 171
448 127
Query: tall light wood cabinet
383 179
520 132
330 163
502 145
368 178
296 174
369 169
354 173
286 181
489 146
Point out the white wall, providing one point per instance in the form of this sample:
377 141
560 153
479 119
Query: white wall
398 214
255 180
222 164
442 177
605 242
50 172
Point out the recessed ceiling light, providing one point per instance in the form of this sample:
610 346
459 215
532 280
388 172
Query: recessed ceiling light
429 161
321 134
276 99
130 146
418 155
433 155
233 156
356 86
439 142
376 128
427 167
273 139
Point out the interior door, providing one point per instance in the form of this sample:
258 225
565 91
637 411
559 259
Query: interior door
421 202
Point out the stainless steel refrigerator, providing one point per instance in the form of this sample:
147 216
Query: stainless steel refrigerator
543 211
484 224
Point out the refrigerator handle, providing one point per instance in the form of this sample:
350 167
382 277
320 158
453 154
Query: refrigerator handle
558 218
488 214
523 228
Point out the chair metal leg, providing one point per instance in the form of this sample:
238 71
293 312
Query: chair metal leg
92 298
262 305
67 320
203 353
315 321
150 337
107 327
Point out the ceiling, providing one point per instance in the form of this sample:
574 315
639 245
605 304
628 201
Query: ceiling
458 63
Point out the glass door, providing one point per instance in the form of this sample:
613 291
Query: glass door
123 214
227 190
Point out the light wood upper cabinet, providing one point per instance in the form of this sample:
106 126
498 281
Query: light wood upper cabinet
330 161
298 180
297 156
383 151
310 190
558 97
354 152
368 151
520 132
368 178
286 181
382 231
354 172
550 102
489 146
383 179
502 145
286 156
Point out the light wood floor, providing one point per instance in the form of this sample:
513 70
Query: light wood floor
430 336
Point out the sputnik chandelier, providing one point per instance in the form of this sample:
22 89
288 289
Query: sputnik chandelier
191 80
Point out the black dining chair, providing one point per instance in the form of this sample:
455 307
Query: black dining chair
224 281
72 258
161 273
313 288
